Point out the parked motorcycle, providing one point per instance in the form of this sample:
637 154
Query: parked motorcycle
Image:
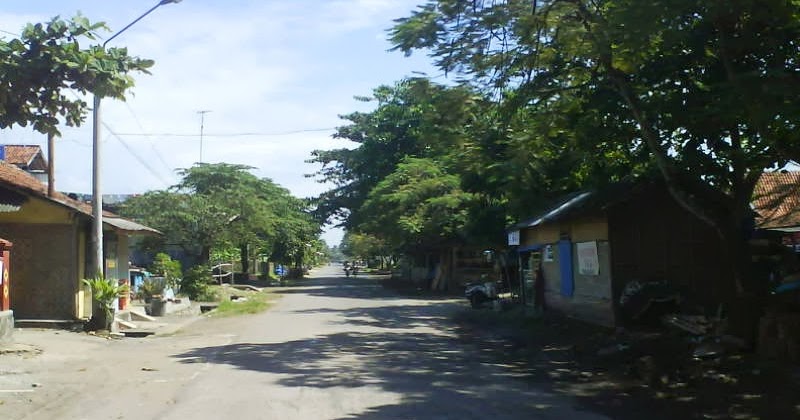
480 293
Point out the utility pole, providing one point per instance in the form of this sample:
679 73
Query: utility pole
202 121
97 190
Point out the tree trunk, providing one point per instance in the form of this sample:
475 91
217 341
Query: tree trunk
205 254
744 293
244 257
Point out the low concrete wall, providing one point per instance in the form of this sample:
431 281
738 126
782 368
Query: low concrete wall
6 325
170 307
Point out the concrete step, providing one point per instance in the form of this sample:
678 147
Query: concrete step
125 325
138 316
63 324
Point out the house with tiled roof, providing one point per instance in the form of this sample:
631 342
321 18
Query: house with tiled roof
27 157
51 237
776 199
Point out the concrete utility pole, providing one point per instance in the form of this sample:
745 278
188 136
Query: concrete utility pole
97 190
202 121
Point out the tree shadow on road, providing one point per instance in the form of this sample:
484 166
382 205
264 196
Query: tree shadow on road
436 376
475 369
401 317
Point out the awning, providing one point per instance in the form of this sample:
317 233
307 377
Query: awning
130 227
10 201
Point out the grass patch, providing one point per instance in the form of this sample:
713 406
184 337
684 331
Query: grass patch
242 302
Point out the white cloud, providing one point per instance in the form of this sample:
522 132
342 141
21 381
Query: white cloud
259 66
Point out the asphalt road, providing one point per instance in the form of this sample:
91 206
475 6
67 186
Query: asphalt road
331 348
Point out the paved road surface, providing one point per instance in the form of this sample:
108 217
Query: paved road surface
333 348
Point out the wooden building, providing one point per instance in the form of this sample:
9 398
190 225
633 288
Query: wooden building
590 244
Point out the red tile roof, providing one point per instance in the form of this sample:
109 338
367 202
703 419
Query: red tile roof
776 198
21 154
17 179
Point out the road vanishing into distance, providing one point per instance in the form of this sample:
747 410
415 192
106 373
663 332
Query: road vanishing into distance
331 348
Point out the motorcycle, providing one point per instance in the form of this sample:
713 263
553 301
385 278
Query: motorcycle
479 293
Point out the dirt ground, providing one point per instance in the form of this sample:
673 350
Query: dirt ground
633 374
637 374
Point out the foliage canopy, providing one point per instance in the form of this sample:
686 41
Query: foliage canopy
46 60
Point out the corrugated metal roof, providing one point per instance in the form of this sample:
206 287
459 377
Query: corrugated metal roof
565 206
129 226
776 199
582 202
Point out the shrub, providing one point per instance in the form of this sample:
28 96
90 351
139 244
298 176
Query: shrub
195 282
152 286
103 293
209 294
164 266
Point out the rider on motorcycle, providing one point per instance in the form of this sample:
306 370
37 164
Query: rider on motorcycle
347 268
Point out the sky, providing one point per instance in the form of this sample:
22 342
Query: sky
273 76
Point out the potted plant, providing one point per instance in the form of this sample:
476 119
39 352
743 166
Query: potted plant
104 292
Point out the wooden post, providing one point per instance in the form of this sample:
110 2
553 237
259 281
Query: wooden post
51 158
5 279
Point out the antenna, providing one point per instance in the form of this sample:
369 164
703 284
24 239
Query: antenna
202 121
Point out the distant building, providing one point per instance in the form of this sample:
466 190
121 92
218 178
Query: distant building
27 157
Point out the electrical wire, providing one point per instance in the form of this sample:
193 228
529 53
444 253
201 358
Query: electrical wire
136 156
152 147
245 134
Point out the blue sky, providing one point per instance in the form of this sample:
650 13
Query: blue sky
283 70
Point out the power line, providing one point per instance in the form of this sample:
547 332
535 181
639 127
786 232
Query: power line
137 157
156 152
133 153
245 134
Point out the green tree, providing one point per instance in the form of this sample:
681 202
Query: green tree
415 118
367 247
46 60
191 222
224 206
164 266
706 88
418 204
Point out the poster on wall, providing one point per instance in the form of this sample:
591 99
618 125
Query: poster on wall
548 253
588 263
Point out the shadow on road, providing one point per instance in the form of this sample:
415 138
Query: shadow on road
467 370
434 375
393 317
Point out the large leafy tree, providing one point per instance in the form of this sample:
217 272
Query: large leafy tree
191 222
415 118
418 205
367 247
707 89
46 60
221 205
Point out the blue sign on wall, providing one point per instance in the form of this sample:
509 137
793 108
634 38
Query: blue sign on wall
2 153
280 270
565 264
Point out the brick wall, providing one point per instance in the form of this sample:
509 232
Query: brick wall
43 261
